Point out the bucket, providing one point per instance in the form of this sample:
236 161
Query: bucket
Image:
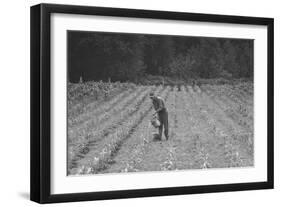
155 122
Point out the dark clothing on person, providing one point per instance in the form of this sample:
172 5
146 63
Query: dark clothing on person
163 118
162 112
158 103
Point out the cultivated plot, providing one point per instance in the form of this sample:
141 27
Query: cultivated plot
210 126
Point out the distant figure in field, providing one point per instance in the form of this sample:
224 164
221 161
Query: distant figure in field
161 111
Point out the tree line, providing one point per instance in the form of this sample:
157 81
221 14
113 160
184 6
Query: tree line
128 57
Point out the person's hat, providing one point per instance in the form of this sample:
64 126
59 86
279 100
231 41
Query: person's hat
151 95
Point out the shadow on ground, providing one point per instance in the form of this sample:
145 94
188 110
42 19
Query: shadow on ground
24 195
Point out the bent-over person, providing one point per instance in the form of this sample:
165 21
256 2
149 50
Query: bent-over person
161 111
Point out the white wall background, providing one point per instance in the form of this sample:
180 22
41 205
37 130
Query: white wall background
14 104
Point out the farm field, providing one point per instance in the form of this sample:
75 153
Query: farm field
109 130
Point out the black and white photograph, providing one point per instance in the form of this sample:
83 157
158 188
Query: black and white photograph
140 103
146 102
130 103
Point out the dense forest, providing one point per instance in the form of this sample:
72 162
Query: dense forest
128 57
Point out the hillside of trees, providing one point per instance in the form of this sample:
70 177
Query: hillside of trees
129 57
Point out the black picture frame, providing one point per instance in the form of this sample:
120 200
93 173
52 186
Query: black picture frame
41 98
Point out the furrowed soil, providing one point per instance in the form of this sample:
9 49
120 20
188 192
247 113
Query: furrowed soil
210 126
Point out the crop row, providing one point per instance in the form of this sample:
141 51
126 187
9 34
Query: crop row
80 95
242 114
141 142
100 158
95 108
105 111
223 129
92 133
